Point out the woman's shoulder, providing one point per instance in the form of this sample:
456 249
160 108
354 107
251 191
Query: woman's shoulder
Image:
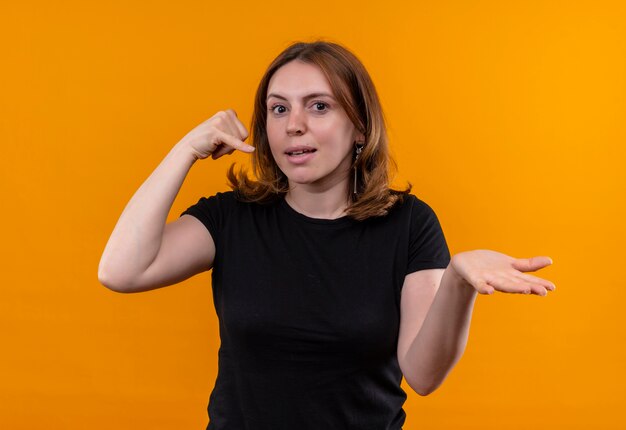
216 200
218 203
235 200
407 201
231 197
413 207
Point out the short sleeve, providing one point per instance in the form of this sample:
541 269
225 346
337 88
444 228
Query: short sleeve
427 244
209 210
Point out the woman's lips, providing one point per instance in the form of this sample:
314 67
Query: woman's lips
300 156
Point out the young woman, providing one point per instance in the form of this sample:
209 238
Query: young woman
329 286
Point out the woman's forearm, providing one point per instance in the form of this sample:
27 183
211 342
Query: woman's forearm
442 338
136 238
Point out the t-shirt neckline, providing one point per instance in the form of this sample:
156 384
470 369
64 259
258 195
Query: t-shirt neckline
304 218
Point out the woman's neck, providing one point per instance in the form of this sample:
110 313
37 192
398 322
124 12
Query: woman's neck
315 202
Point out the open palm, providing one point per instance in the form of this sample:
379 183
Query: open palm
489 271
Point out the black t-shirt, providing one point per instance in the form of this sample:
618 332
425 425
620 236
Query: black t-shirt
309 312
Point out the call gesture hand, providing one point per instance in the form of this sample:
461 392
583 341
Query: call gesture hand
488 271
219 135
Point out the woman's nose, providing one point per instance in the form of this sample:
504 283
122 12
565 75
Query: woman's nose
296 123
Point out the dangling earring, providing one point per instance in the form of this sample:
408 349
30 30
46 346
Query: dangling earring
358 149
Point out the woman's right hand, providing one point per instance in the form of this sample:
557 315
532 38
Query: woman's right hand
219 135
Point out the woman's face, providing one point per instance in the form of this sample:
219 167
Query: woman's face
310 135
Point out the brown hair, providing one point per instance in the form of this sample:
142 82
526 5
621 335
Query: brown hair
355 92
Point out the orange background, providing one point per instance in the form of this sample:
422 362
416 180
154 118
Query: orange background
507 117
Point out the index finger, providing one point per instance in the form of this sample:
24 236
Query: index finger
234 142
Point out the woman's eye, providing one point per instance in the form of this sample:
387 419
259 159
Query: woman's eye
278 109
320 107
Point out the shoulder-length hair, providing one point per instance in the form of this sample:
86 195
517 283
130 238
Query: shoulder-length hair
355 92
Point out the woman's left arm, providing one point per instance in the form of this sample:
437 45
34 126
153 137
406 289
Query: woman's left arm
436 309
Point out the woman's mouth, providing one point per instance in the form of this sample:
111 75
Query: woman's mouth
300 155
299 152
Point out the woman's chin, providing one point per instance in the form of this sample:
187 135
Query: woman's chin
295 181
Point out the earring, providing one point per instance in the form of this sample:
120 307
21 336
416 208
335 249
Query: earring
358 148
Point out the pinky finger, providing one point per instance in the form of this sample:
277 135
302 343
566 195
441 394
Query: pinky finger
484 288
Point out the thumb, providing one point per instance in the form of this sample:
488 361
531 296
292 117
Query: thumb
531 264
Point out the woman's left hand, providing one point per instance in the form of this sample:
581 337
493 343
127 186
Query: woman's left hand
488 271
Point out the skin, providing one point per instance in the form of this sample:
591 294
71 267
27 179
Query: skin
436 309
297 118
144 252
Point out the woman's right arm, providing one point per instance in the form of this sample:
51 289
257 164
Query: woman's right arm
143 252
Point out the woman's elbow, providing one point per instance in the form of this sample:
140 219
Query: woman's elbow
424 383
422 389
113 283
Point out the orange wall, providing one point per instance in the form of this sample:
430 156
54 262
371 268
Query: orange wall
508 118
